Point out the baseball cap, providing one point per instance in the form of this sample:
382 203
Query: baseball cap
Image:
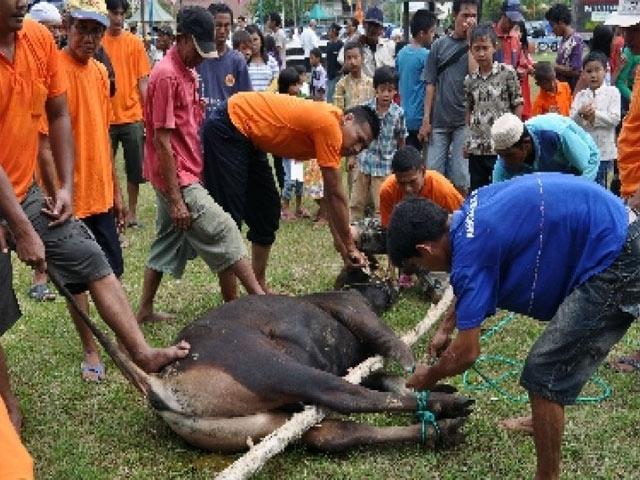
89 10
164 30
198 22
374 15
513 10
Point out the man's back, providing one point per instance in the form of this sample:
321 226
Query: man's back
410 65
521 246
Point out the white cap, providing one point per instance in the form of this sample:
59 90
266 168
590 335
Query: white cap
506 131
44 12
628 14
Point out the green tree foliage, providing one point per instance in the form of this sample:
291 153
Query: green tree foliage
293 9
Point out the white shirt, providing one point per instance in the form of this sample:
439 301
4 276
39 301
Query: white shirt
281 44
309 40
606 101
384 56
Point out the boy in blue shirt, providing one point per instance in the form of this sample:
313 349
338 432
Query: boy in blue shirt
522 246
410 65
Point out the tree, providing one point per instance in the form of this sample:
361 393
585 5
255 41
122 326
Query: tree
293 9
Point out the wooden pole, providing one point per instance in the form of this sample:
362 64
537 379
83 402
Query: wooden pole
277 441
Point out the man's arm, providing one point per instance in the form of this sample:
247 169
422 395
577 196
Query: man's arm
162 144
48 175
142 88
61 140
425 129
580 154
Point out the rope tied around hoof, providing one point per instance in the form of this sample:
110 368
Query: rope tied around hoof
425 416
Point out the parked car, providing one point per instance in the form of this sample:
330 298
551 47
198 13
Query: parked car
546 43
536 28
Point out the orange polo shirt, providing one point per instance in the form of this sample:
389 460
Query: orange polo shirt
25 84
628 142
90 111
436 188
130 62
15 461
559 102
288 126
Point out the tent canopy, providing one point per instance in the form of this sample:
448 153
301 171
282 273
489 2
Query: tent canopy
318 13
160 15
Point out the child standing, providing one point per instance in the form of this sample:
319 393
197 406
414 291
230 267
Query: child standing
554 96
489 93
318 85
410 65
374 163
597 110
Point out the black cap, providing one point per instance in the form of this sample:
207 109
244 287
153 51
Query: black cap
374 15
198 22
164 30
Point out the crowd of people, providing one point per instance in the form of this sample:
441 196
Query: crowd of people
435 138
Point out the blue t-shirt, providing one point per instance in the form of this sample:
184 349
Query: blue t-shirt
560 145
410 65
222 77
525 244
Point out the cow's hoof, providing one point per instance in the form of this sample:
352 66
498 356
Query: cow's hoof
446 405
450 434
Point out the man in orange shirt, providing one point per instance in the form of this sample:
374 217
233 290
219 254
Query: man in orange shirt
237 137
554 96
132 68
32 83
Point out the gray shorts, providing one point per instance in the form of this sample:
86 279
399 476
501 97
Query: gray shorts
590 321
213 235
71 250
9 308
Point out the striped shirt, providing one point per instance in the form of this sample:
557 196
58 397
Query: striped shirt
262 74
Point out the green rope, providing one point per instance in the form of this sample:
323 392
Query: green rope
496 383
425 415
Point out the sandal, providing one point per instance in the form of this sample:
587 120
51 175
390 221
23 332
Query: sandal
92 373
632 362
41 293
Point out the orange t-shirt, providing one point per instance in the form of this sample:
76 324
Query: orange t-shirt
628 141
25 86
130 63
559 102
15 461
90 111
436 188
288 126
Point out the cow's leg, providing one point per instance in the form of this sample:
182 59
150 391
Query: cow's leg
337 435
352 310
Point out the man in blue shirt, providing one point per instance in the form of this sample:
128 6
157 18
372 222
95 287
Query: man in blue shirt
228 74
546 143
411 63
554 247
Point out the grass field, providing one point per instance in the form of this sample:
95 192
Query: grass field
76 430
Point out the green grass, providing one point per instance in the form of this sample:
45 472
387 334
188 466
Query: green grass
106 431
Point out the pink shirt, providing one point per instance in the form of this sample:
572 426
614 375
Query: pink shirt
173 103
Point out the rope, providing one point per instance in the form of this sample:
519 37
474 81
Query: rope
425 416
496 383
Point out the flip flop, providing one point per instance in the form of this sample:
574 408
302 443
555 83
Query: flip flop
634 363
41 293
88 371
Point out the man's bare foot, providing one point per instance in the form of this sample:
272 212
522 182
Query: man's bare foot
154 317
157 358
518 424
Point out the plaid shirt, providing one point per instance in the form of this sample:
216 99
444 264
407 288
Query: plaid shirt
353 91
376 160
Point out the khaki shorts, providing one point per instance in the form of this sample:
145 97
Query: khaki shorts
213 235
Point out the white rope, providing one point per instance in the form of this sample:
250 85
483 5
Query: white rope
277 441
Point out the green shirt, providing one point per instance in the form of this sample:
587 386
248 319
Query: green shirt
624 82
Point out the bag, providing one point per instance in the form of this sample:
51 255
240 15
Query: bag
452 59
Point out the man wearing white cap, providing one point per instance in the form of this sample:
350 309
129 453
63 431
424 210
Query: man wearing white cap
546 143
49 16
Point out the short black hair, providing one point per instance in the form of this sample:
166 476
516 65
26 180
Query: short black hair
316 53
275 18
601 40
406 159
216 8
355 22
559 13
287 77
335 28
365 114
385 74
414 221
300 69
353 45
113 5
239 37
457 5
596 56
484 30
422 21
544 70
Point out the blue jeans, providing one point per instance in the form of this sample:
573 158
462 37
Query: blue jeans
445 155
331 89
605 173
590 321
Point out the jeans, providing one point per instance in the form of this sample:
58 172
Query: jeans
331 89
445 155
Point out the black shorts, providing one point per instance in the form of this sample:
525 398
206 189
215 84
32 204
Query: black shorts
239 178
103 227
9 308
